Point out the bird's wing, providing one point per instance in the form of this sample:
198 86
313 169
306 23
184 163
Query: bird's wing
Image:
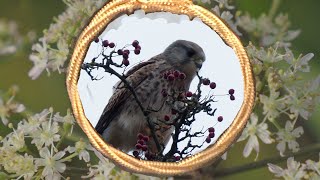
135 76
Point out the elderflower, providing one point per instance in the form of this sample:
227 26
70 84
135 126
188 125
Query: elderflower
295 170
33 122
39 57
51 162
81 148
61 34
288 136
20 166
102 170
252 130
314 167
272 105
8 107
46 135
268 29
10 38
68 121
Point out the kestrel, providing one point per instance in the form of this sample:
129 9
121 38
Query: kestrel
122 119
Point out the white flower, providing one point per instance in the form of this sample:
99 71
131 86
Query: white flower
294 171
46 135
314 166
252 130
269 31
33 122
6 108
52 163
15 140
20 166
271 105
67 120
102 169
228 17
81 148
299 105
59 56
39 58
10 38
288 136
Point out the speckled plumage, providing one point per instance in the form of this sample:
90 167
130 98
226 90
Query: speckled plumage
122 119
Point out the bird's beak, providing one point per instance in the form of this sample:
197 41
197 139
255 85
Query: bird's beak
198 65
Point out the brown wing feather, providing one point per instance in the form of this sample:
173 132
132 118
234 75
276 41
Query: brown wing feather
135 76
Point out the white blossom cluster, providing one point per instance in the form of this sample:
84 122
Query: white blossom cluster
283 98
296 170
52 50
11 38
35 148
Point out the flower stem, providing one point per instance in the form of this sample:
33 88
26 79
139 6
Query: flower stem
274 7
69 157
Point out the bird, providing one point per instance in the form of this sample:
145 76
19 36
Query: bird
122 119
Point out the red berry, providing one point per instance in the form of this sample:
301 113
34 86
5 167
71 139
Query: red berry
140 136
231 91
208 139
220 118
135 153
171 77
140 142
120 52
135 43
136 51
125 55
182 76
144 148
105 43
126 51
211 134
138 47
138 146
232 98
176 73
96 40
146 138
177 158
206 81
126 62
211 129
173 111
166 118
189 94
213 85
111 45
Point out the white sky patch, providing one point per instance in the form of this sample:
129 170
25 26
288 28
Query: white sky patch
155 31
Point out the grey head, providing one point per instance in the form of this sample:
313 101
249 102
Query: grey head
185 55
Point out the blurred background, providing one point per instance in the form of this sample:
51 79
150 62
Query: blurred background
51 91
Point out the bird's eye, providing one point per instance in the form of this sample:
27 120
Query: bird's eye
190 52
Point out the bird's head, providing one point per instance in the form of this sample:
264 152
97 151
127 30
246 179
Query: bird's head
186 56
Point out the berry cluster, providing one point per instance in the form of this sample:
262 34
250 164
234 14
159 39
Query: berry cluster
231 93
212 130
141 146
211 134
174 75
122 52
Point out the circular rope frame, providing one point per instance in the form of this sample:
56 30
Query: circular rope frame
101 19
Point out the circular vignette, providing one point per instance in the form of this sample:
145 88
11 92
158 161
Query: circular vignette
100 20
